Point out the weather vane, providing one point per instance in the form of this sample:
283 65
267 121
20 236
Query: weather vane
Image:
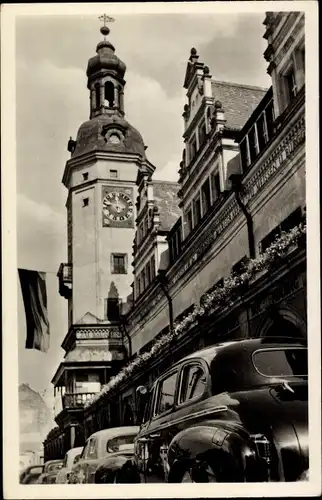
105 29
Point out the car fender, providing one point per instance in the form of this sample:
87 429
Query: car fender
120 468
227 450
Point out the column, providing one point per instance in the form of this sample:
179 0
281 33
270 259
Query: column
72 435
116 97
121 97
102 96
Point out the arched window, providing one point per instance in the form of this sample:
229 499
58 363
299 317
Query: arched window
97 95
109 93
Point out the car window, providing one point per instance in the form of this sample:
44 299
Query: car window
76 459
91 451
120 443
284 362
147 407
193 382
36 470
166 393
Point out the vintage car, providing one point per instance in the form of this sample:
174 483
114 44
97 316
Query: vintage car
51 469
30 474
107 443
234 412
71 457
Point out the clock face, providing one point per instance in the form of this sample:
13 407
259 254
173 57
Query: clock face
117 206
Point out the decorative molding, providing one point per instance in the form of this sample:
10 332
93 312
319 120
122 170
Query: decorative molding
276 160
283 289
289 40
98 333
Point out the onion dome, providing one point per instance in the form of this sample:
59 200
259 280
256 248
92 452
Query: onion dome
110 134
105 60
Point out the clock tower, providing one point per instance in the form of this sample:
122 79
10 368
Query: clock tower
97 279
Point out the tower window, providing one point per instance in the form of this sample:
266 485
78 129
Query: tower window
85 176
109 93
97 95
85 202
119 263
113 174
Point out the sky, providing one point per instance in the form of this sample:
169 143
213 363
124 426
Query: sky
52 101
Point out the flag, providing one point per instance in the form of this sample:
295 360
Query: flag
34 293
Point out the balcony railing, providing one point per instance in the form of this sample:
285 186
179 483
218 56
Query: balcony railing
76 400
65 278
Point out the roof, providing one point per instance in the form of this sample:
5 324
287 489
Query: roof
238 101
91 136
116 431
165 195
249 343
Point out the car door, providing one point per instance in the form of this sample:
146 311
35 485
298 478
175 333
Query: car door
80 470
158 432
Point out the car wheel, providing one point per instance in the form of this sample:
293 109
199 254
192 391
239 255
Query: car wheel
205 474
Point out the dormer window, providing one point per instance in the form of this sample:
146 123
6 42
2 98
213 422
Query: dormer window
205 197
291 86
193 149
202 134
197 210
253 143
215 186
244 152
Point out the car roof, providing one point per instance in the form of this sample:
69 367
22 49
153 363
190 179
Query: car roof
116 431
246 344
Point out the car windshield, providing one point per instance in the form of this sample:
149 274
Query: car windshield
286 362
120 443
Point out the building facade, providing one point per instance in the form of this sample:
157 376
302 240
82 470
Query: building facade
221 254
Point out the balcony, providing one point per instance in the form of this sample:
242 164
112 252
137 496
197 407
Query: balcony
76 400
65 277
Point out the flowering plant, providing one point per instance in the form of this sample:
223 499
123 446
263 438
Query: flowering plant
220 294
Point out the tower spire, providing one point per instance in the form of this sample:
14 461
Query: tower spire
105 29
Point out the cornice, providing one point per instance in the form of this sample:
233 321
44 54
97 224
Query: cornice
99 180
94 156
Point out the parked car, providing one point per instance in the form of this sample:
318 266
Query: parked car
30 474
51 469
64 473
234 412
100 445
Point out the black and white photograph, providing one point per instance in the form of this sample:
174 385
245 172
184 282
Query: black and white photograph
161 307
